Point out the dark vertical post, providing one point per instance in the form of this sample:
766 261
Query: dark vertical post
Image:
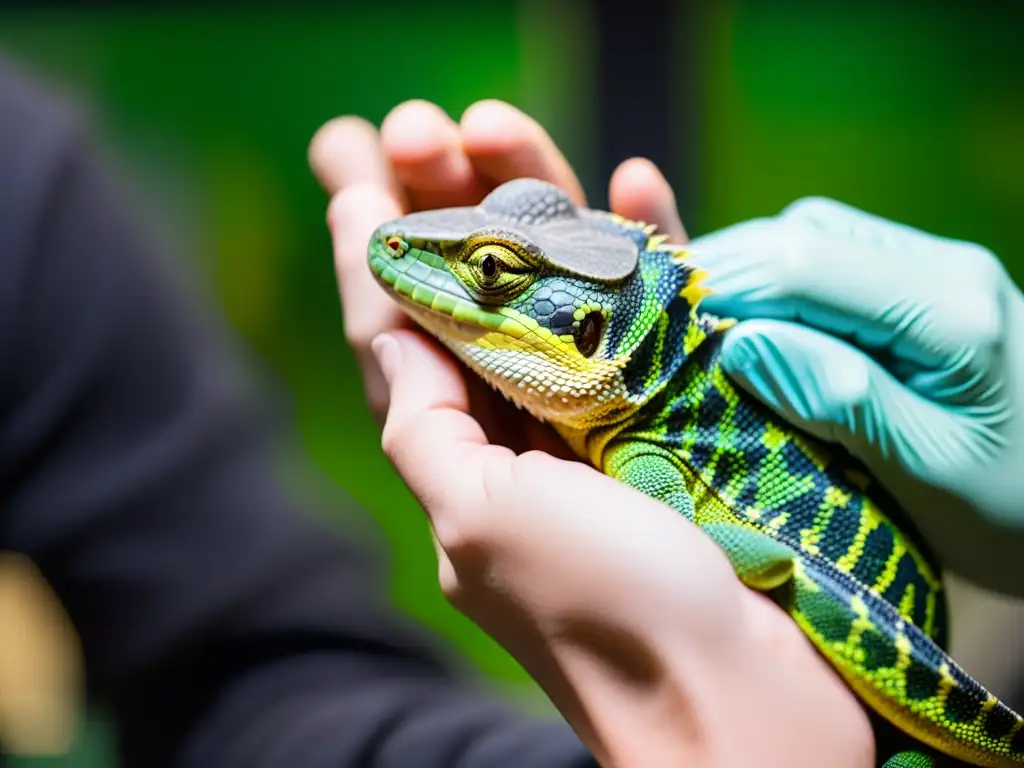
646 86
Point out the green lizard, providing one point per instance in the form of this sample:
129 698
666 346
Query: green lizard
592 323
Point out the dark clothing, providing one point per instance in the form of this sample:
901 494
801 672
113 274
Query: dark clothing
220 622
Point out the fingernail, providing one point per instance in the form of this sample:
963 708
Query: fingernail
388 355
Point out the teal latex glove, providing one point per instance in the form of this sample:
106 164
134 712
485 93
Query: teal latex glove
904 347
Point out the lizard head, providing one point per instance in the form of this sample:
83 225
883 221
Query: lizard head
554 305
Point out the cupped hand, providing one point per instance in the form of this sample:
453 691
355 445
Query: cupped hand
629 617
626 614
422 159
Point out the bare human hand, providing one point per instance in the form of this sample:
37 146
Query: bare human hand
628 616
422 159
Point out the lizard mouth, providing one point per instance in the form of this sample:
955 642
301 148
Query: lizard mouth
424 287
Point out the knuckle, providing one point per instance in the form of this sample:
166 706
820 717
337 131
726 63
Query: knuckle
453 538
461 542
395 437
448 579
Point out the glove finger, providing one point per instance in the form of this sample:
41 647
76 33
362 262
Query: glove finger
888 289
840 395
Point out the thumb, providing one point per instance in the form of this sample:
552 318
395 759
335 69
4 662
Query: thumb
840 395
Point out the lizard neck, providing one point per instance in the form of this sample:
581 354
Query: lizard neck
701 413
680 343
696 397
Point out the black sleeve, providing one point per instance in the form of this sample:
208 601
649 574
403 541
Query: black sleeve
221 623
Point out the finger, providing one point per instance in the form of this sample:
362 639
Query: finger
839 394
504 144
436 446
346 156
424 145
354 213
346 151
638 191
884 287
367 311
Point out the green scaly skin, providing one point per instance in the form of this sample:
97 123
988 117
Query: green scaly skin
626 368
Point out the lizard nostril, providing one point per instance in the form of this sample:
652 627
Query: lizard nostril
395 245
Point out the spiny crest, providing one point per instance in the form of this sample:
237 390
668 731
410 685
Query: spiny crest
694 289
654 240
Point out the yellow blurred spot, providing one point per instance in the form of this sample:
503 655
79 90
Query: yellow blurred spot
41 680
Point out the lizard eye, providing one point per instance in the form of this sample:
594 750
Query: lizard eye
588 335
493 272
489 266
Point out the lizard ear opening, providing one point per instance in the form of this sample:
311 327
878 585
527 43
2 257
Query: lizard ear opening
588 335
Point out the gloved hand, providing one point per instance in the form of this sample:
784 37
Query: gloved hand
904 347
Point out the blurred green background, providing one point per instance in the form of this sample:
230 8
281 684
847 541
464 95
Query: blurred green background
912 111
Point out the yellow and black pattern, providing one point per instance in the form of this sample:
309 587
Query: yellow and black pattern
865 590
901 672
815 499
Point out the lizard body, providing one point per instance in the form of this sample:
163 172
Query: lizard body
592 323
